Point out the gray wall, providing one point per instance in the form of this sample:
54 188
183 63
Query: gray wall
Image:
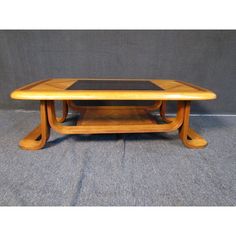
206 58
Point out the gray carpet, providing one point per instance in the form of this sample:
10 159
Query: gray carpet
118 170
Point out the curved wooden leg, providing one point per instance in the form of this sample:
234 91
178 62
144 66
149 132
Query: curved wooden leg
38 137
155 106
97 128
163 112
73 106
64 112
189 137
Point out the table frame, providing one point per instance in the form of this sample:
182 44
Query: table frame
38 138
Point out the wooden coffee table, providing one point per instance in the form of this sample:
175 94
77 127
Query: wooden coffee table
112 119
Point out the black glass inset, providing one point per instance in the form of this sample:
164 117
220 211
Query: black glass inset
113 85
114 103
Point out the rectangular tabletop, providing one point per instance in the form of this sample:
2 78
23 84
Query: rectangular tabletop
111 89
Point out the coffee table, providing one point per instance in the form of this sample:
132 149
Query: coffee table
112 119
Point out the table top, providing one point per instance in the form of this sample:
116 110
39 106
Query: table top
111 89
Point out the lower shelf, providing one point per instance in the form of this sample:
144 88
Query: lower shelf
109 117
102 120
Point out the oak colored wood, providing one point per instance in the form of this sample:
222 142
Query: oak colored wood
64 112
163 112
189 137
112 119
97 126
38 137
57 89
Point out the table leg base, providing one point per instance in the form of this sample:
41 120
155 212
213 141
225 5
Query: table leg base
194 140
34 140
38 137
104 120
190 138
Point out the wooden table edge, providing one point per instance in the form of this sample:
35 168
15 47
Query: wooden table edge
23 94
111 95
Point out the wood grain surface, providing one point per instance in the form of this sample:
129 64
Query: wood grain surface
57 89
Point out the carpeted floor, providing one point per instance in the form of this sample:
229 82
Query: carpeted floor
118 170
